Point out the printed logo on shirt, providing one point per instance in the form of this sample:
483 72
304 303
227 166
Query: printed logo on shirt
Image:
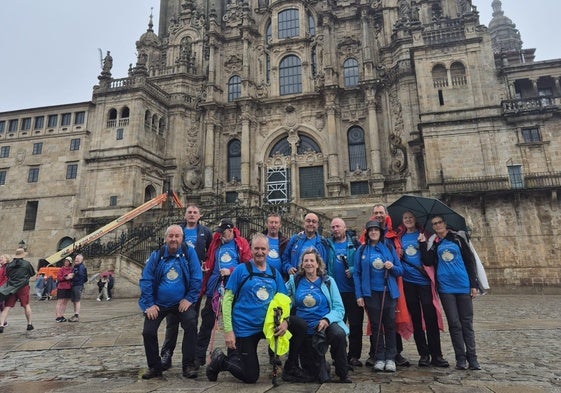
309 300
172 274
226 258
447 255
378 264
411 250
273 254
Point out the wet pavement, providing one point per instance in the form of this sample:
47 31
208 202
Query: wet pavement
518 340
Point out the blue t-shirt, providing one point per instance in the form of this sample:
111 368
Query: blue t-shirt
344 283
310 302
412 255
375 260
253 298
172 287
451 272
190 236
274 258
226 257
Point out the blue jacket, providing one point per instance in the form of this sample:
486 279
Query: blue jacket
153 272
291 255
204 237
361 274
80 275
351 250
331 292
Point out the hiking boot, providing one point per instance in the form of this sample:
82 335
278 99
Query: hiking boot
199 363
401 361
379 365
1 329
439 361
217 358
296 374
390 366
190 372
370 362
345 379
461 365
166 360
74 318
354 362
152 373
474 365
30 327
424 361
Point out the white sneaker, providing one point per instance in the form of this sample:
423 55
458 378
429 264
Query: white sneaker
108 299
379 365
98 299
390 366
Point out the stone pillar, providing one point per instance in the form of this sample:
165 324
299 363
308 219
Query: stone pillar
245 141
332 140
209 154
375 153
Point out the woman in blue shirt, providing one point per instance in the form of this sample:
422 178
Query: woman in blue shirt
456 279
376 269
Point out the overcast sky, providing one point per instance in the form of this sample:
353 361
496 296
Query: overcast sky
50 48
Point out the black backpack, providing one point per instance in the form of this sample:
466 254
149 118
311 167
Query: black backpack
253 274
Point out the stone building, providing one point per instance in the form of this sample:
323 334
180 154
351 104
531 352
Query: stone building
332 105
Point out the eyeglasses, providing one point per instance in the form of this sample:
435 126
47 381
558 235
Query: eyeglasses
437 222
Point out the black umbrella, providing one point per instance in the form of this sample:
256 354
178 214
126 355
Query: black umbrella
423 209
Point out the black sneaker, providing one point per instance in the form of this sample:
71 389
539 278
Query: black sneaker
401 361
61 319
1 329
474 365
166 360
296 374
217 358
461 365
370 362
189 372
30 327
424 361
354 362
152 373
439 361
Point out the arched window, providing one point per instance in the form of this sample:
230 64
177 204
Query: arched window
357 149
439 76
234 160
234 88
268 33
290 75
289 24
154 124
112 114
149 193
350 72
147 118
161 126
311 25
458 74
282 147
125 112
307 144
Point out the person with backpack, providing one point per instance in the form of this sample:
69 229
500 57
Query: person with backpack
227 250
456 280
248 292
317 322
170 284
79 278
376 270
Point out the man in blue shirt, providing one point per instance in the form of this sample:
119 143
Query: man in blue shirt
170 284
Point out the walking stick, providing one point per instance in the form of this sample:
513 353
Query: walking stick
381 310
218 311
277 322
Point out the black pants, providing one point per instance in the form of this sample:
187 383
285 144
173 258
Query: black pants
188 321
354 315
172 329
420 306
386 336
301 352
243 362
459 314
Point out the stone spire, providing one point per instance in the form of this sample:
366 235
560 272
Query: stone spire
504 34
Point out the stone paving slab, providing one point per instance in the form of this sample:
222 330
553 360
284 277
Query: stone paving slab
518 340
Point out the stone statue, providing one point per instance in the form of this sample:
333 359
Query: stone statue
107 63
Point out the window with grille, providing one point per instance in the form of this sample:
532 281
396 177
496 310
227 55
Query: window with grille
439 76
79 117
120 134
37 148
359 188
234 88
357 149
13 125
350 72
2 126
311 182
290 75
71 171
30 219
113 200
66 119
75 144
52 121
3 175
26 124
33 175
288 23
531 135
234 160
4 151
39 122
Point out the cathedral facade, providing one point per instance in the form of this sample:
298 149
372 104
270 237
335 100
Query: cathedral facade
331 105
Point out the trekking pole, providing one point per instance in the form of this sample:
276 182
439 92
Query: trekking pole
381 310
277 322
217 313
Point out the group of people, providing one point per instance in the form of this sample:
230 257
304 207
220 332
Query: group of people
332 282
